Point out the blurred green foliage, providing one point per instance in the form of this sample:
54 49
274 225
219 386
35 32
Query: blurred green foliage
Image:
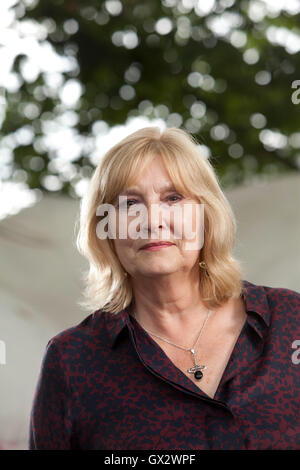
222 75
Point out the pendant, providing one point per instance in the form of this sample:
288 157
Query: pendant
196 370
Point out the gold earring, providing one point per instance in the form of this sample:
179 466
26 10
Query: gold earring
202 264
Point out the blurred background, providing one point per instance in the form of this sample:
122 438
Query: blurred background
78 76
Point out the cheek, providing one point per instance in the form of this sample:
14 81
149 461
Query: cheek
126 225
187 219
192 225
118 224
123 250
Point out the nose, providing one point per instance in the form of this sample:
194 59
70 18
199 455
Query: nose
153 223
154 217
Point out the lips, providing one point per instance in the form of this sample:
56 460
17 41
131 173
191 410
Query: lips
148 245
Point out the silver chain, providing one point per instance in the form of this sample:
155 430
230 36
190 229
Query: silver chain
176 345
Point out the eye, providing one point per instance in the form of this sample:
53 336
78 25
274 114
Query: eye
127 204
176 196
124 204
130 200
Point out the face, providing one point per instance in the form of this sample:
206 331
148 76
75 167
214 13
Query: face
154 194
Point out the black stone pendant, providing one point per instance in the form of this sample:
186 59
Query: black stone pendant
198 374
196 370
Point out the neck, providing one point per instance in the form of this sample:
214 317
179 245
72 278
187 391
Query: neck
168 305
189 348
180 328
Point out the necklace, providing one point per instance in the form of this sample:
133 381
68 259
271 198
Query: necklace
197 369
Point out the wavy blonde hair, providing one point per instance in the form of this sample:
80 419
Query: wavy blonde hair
106 287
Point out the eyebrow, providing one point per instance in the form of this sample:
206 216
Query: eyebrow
135 189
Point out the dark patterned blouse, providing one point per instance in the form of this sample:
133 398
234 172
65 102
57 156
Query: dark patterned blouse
106 384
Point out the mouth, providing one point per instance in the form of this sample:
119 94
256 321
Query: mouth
157 245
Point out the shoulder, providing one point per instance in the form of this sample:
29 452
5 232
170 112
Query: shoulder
72 353
284 309
284 300
274 304
278 296
87 335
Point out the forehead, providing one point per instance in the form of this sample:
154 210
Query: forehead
159 187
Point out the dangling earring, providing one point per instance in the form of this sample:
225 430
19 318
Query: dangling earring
202 264
125 273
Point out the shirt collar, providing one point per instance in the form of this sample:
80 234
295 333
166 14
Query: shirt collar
115 323
257 307
254 296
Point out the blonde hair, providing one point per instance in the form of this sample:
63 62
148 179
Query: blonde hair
106 287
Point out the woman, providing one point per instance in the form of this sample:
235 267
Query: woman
179 352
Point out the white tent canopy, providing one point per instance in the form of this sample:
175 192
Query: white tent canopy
40 279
